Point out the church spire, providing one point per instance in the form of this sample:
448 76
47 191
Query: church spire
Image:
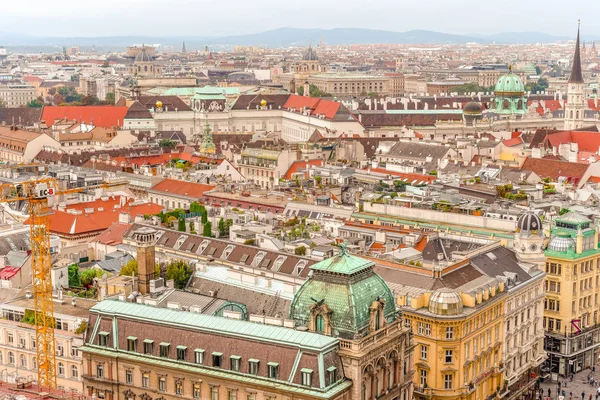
183 47
576 75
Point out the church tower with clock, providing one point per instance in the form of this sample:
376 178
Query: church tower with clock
575 93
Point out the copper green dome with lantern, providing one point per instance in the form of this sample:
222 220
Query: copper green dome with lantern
347 286
509 95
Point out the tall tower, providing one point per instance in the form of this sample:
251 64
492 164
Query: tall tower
183 47
146 258
575 96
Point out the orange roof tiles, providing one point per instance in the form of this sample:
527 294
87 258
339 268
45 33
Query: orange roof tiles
182 188
114 234
103 214
317 106
512 142
303 164
586 141
103 116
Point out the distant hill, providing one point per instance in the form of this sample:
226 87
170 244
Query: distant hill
284 37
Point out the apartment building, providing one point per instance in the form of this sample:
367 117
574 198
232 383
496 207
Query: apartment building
17 95
18 346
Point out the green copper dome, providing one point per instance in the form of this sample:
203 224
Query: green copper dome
509 84
509 92
348 286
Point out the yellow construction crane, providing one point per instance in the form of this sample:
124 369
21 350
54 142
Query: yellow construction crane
37 192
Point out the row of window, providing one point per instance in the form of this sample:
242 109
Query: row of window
448 357
216 359
22 343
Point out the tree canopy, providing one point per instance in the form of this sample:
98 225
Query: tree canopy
180 272
314 91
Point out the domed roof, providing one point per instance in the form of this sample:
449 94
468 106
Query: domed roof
143 56
562 242
348 286
509 84
473 108
310 55
529 222
445 302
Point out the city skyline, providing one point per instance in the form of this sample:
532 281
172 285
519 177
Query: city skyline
144 18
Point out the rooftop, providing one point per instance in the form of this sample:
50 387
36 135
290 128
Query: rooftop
212 324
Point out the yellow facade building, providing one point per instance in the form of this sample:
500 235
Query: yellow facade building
572 288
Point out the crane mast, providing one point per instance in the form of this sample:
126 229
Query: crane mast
36 192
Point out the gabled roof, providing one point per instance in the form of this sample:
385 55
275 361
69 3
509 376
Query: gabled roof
586 141
555 168
20 116
138 111
114 234
103 116
316 105
512 142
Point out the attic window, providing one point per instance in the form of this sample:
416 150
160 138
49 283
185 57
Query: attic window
244 258
265 263
211 251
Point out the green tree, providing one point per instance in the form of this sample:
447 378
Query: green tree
180 272
224 226
207 229
110 99
313 91
470 87
181 225
538 70
130 268
74 279
35 104
166 143
300 251
204 216
83 325
87 276
69 94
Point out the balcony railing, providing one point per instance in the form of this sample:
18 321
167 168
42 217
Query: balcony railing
359 344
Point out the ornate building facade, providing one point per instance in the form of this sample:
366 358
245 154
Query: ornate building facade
571 307
348 343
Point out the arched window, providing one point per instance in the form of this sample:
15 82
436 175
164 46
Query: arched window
506 104
34 362
320 323
1 359
61 369
23 361
74 371
378 320
577 114
11 358
571 114
363 395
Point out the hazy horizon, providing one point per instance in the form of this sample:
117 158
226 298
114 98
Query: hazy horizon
201 18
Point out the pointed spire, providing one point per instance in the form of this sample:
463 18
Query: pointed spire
183 47
576 75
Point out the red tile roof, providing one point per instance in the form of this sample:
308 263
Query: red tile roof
8 272
555 168
104 214
302 164
317 106
182 188
586 141
114 234
592 105
103 116
512 142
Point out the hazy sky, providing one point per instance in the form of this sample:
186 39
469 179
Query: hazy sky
230 17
